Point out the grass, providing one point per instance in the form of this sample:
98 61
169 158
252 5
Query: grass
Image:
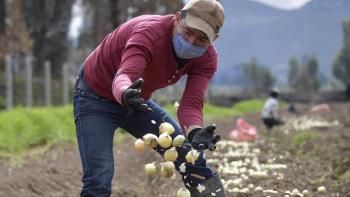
301 138
23 129
239 109
346 176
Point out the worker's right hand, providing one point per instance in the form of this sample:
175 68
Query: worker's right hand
131 97
204 138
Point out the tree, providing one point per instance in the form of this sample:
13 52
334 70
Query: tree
17 40
48 22
341 65
304 78
103 16
114 14
2 30
260 78
293 71
312 70
100 18
2 16
2 48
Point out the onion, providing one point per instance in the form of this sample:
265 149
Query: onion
150 169
183 192
166 127
305 192
171 154
321 189
150 140
167 169
139 145
295 192
192 156
178 140
165 140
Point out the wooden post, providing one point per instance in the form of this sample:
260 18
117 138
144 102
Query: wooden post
65 83
9 82
48 83
29 81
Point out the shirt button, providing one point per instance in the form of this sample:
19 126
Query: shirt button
173 76
177 71
169 81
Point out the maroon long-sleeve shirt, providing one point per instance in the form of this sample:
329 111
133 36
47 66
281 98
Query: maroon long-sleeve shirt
142 47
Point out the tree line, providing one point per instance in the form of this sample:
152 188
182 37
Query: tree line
304 76
39 29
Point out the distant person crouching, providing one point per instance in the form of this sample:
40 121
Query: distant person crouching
269 112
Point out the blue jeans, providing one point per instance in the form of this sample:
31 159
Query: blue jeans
96 120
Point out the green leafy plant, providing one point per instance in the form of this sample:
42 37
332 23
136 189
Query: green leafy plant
300 138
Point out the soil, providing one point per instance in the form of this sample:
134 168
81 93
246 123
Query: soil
322 160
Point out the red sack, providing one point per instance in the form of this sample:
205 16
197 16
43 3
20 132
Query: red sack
321 108
243 131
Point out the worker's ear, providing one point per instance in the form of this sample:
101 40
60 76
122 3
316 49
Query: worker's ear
178 16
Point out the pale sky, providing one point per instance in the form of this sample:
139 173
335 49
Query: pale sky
77 19
279 4
284 4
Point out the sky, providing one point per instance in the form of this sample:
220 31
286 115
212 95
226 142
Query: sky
284 4
281 4
77 19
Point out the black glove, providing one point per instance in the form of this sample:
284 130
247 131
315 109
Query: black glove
204 138
131 97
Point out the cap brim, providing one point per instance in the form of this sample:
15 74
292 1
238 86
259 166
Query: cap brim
198 23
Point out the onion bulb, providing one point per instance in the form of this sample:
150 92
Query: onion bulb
178 140
150 169
150 140
166 127
139 145
167 169
183 192
165 140
321 189
171 154
192 156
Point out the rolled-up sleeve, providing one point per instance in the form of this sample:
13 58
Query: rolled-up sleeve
190 112
137 54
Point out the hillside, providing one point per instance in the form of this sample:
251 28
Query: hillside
273 35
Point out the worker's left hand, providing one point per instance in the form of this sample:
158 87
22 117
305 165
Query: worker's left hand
131 97
204 138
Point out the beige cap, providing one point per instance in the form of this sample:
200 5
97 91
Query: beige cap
205 15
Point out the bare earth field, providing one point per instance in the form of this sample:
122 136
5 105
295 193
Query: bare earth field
277 164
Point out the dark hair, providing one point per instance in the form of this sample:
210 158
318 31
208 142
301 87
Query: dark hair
274 94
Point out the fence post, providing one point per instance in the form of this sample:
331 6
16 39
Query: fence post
9 82
65 84
209 93
29 81
47 65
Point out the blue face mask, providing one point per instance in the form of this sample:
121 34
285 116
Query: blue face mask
186 50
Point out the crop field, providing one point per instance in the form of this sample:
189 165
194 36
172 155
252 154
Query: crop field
308 156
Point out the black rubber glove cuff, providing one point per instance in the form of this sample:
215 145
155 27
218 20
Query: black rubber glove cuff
192 133
131 97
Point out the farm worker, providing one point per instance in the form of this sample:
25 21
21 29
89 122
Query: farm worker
269 111
115 84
